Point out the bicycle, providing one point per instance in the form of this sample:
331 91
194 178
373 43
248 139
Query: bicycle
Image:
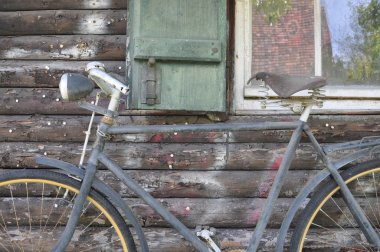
81 204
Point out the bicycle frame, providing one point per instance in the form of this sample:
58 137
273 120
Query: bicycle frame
298 126
105 128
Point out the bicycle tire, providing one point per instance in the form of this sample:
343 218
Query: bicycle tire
35 204
326 223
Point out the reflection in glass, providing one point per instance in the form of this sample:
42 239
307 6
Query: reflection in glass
283 36
283 39
353 52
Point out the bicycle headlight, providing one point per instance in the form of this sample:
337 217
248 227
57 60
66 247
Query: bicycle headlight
74 87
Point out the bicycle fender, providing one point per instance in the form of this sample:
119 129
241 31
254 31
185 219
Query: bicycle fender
101 188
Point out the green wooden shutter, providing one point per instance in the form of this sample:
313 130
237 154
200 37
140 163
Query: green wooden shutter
187 40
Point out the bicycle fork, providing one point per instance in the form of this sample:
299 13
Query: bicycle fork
78 204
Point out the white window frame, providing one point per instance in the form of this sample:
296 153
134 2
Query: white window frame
339 99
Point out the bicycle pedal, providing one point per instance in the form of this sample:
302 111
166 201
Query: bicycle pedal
205 233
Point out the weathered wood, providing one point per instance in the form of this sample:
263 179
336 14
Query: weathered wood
31 101
29 239
212 184
40 101
197 184
223 213
45 73
17 5
69 47
256 156
63 22
168 240
220 213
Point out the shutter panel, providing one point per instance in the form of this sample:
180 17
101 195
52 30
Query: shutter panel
177 50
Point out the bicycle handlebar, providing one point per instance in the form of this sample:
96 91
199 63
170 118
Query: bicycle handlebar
105 81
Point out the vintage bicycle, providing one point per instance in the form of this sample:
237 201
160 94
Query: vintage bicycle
70 202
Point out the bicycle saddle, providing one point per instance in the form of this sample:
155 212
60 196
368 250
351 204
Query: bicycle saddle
285 85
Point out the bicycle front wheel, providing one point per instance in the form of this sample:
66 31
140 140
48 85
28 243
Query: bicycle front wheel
35 206
326 224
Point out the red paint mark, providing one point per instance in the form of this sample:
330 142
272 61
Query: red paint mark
265 188
254 216
157 138
277 162
266 184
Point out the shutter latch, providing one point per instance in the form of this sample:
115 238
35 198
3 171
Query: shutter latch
150 90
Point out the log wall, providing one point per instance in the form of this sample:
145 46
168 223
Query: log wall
210 178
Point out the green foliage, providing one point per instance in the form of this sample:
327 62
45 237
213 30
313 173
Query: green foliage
366 60
272 9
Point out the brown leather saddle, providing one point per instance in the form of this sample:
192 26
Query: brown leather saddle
285 85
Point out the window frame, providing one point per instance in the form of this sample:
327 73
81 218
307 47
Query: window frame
358 98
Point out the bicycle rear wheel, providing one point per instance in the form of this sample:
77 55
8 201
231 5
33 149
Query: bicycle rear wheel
35 206
326 224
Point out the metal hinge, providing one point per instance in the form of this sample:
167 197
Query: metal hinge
150 85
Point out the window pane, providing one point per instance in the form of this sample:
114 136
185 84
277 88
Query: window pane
351 45
283 36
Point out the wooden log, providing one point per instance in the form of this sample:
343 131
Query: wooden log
63 22
63 47
44 101
18 5
168 240
32 238
257 156
35 74
221 213
196 184
322 240
215 184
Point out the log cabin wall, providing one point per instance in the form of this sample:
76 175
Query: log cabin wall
213 179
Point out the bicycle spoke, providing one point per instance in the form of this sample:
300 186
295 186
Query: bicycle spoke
370 205
47 220
376 194
101 214
6 230
15 212
37 209
94 247
29 215
339 226
329 243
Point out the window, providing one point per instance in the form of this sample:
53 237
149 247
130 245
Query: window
338 39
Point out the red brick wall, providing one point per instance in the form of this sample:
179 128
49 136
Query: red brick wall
288 45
